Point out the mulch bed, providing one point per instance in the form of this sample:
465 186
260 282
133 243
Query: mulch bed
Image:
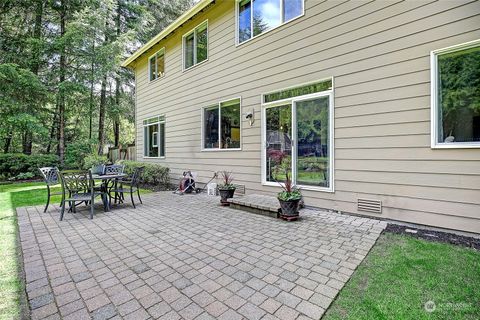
432 235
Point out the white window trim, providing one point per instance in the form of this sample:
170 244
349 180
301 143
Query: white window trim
434 98
237 37
195 47
202 145
163 121
293 87
149 65
331 149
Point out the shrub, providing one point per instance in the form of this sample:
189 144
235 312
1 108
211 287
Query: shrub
23 176
94 160
153 174
76 153
21 166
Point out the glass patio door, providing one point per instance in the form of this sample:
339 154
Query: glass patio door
297 137
312 152
278 142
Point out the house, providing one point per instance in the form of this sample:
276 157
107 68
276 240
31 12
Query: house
375 104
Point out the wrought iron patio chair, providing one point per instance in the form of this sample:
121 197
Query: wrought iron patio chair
51 178
113 169
130 186
78 186
100 169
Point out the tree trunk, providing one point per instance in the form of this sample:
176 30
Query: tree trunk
35 67
52 132
37 35
92 83
8 142
101 116
116 122
61 93
27 142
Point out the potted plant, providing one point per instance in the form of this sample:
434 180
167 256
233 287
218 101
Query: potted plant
226 188
289 198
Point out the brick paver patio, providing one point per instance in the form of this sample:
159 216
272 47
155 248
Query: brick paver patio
184 257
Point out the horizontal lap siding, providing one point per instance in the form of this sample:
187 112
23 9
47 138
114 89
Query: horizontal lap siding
378 54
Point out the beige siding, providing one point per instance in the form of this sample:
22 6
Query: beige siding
378 54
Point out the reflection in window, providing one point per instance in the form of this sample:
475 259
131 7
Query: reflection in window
156 65
195 46
230 124
278 142
263 15
292 9
154 137
211 128
151 147
189 50
313 142
222 126
244 21
202 43
458 100
266 15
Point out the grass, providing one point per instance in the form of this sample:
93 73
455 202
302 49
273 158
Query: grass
401 274
14 196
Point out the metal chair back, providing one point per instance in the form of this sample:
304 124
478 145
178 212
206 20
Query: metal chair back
100 169
76 181
137 175
114 169
50 175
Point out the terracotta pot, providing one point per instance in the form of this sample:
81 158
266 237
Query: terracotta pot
226 194
289 208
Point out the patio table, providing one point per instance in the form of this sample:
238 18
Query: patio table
105 179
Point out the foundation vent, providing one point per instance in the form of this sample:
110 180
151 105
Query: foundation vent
369 205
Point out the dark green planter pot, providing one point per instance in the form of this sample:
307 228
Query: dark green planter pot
226 194
289 208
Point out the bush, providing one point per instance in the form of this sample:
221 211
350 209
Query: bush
22 166
154 174
94 160
77 152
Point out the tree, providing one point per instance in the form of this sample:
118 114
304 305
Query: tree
19 90
73 49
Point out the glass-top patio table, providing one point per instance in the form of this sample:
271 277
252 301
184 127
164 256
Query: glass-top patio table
105 179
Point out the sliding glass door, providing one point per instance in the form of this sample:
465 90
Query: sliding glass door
313 142
278 141
298 138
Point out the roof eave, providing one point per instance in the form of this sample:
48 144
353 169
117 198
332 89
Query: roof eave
202 4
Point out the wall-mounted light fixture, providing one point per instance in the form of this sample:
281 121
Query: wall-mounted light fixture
250 116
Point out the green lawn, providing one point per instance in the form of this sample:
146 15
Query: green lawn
13 196
401 274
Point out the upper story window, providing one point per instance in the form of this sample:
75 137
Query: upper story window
255 17
221 126
156 65
456 96
154 137
195 46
